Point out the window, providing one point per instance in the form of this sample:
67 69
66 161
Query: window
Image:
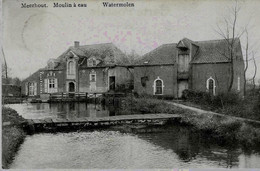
71 68
183 63
158 86
32 88
211 86
238 84
93 77
92 62
51 83
51 65
143 81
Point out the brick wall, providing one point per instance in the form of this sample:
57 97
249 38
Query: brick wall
167 73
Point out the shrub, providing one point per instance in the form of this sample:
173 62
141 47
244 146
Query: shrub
229 129
257 105
148 105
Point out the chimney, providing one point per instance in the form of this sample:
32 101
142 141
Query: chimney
76 43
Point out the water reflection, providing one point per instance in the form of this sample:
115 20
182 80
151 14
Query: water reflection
192 147
64 110
169 147
176 148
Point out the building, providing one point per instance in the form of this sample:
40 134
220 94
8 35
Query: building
94 68
197 65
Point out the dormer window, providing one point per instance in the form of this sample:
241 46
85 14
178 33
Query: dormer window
92 62
182 46
51 65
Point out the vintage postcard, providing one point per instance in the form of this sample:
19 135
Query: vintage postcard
138 84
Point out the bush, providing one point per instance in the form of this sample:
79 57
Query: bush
229 129
148 105
257 105
221 100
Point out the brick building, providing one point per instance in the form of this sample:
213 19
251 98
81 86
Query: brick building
197 65
89 68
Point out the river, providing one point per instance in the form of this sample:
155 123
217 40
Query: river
170 147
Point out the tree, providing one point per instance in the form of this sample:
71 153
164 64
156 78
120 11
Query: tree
253 79
132 57
229 33
246 63
5 70
16 81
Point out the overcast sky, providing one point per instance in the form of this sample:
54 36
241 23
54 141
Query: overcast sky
34 35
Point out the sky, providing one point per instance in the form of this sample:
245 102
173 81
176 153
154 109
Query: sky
31 36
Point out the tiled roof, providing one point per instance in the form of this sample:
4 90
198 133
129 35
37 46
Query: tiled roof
164 54
107 52
213 51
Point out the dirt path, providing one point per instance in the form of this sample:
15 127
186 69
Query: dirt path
200 111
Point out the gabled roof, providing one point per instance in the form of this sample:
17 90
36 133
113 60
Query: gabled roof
164 54
107 52
211 51
214 51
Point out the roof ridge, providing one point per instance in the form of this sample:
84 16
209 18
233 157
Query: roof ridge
215 40
95 44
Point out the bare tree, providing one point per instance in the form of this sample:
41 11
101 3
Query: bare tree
246 62
5 69
253 79
229 34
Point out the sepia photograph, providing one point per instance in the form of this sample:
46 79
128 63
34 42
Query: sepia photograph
138 84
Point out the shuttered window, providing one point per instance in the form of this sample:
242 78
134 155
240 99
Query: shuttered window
51 85
31 88
183 63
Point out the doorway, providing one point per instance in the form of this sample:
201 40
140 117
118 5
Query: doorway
112 83
71 87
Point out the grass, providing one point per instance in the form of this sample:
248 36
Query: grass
228 103
148 105
12 135
223 129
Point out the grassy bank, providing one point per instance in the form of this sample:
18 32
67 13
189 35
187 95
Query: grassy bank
226 103
131 105
12 135
223 129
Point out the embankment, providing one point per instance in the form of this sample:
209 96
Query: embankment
224 129
12 135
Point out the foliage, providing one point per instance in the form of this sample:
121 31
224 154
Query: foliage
228 103
148 105
12 136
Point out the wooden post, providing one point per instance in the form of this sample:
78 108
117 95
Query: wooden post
87 97
95 97
114 99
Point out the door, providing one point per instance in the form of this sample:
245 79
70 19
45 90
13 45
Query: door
182 85
112 83
71 87
93 84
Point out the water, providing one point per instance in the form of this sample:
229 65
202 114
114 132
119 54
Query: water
62 110
170 147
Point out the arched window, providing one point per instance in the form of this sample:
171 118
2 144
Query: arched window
71 68
211 86
158 86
